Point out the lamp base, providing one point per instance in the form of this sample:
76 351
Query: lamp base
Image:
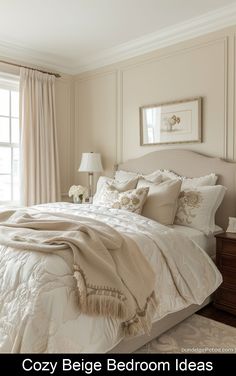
90 183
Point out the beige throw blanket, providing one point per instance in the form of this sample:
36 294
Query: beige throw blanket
113 277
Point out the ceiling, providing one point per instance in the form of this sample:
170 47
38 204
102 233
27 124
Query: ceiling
74 35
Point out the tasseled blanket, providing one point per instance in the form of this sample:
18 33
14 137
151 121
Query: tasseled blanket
113 277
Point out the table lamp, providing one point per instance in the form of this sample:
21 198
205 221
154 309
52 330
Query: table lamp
90 162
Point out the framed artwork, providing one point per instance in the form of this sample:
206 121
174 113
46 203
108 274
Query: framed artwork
173 122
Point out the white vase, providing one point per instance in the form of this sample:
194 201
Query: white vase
77 200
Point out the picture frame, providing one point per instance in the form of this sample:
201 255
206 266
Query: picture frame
171 122
231 225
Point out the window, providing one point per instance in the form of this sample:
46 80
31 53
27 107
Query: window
9 141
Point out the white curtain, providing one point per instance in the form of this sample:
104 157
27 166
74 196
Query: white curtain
39 154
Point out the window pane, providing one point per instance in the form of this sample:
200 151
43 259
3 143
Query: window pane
16 190
5 160
4 130
15 103
9 156
15 134
5 187
16 179
4 102
15 162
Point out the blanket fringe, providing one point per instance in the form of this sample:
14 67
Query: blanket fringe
98 302
142 321
105 306
108 303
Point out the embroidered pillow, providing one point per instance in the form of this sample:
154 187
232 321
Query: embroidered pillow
119 186
161 203
197 207
131 200
188 183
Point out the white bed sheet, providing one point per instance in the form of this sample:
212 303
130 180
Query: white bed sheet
207 243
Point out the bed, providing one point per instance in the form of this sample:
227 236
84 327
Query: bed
38 299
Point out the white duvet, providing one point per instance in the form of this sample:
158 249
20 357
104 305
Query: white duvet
38 297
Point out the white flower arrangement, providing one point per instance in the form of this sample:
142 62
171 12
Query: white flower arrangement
78 192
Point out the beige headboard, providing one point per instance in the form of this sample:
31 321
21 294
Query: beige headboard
190 164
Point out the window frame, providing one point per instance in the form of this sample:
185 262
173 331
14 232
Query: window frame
11 83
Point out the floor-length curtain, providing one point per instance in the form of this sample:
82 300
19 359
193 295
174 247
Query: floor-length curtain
39 154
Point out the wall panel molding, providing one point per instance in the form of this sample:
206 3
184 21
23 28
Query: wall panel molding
119 116
129 66
225 152
217 87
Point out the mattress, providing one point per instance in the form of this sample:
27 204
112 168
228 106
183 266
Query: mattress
207 243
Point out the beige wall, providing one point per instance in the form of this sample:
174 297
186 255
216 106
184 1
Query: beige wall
99 110
107 101
65 123
95 120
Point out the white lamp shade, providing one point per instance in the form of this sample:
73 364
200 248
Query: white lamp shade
90 162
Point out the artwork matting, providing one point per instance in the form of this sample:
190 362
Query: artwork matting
172 122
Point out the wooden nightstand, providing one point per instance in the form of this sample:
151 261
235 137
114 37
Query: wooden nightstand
225 296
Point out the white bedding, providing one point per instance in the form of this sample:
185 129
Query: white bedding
206 242
38 300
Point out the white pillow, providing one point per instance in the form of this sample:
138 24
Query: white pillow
161 203
197 207
119 186
101 181
131 200
189 183
123 176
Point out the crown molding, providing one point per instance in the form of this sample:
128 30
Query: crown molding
19 53
195 27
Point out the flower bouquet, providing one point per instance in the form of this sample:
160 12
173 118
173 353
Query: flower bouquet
79 193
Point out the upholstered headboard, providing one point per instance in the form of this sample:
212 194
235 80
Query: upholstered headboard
191 164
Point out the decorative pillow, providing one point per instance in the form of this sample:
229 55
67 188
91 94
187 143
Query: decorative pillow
119 186
154 177
100 183
122 176
161 203
189 183
197 207
131 200
125 185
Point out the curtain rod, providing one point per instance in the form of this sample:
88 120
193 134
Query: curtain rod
57 75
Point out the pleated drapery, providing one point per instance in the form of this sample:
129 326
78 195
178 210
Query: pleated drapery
39 153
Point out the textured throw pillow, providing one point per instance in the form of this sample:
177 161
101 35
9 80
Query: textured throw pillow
119 186
123 176
131 200
161 203
188 183
197 207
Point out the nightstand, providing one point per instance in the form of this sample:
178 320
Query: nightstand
225 296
